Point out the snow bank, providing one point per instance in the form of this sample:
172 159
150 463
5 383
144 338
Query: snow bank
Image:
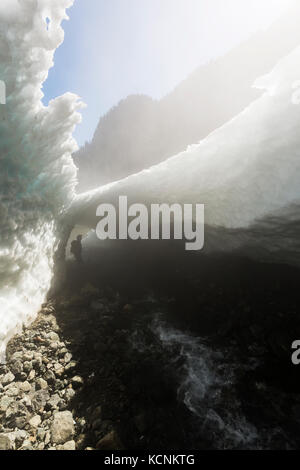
247 173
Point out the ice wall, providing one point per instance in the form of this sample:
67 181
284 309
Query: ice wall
247 173
37 177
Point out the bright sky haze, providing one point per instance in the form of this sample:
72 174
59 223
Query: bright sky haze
114 48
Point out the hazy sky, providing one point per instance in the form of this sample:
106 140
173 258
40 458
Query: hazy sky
114 48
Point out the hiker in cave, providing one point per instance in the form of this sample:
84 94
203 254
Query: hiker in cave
76 249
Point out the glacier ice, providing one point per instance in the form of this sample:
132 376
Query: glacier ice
38 176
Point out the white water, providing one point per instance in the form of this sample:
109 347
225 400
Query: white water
207 382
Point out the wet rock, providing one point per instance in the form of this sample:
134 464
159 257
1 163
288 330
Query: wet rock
110 442
97 413
97 424
141 423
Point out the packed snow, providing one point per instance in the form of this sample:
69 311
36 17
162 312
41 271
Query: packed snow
246 173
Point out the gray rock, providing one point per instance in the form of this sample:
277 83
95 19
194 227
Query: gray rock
31 375
17 437
70 445
17 356
62 428
12 390
62 352
41 434
27 401
77 381
27 445
27 366
16 367
25 387
35 421
6 442
53 402
67 358
47 438
69 394
37 363
53 337
28 356
70 365
8 378
5 402
40 399
41 384
22 377
50 377
58 369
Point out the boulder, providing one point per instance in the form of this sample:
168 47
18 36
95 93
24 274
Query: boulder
70 445
62 428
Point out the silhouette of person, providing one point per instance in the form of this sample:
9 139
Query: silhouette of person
76 249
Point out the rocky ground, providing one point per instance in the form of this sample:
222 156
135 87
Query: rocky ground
73 381
90 372
36 387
